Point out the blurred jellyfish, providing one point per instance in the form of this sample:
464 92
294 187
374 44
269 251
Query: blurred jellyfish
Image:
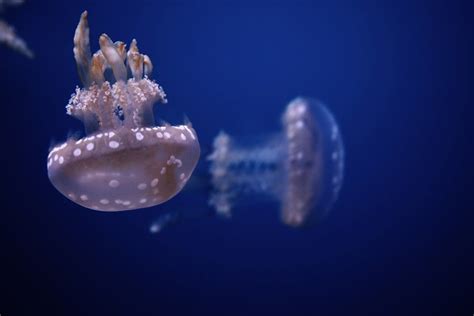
8 35
300 167
124 162
164 220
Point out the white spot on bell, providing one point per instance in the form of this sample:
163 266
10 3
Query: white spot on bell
113 144
114 183
141 186
77 152
90 146
139 136
154 182
104 201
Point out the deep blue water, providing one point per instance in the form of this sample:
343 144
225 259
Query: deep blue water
397 75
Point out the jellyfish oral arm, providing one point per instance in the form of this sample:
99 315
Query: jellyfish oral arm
101 105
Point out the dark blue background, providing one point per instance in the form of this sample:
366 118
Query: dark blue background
396 74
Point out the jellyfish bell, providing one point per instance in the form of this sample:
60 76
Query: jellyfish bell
301 167
124 162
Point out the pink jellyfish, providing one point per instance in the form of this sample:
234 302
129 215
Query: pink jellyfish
124 162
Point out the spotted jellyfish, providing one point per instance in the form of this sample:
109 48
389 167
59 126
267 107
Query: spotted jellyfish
301 167
124 162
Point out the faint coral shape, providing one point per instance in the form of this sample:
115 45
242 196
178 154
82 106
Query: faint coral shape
8 35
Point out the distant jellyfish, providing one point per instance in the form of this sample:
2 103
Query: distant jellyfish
124 162
301 167
8 35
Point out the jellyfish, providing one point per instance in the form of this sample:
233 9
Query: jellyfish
124 162
8 35
301 167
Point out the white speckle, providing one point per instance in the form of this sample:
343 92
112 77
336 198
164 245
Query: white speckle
159 135
183 137
111 134
118 201
163 170
126 202
90 146
113 144
156 191
182 176
174 160
79 141
167 135
139 136
114 183
84 197
56 157
71 196
155 181
299 124
142 201
148 129
61 160
301 109
141 186
334 133
99 135
104 201
77 152
49 163
105 134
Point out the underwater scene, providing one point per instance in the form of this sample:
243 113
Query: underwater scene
236 157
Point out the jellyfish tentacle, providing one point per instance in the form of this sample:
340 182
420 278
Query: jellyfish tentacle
147 65
135 61
113 57
82 51
103 105
98 66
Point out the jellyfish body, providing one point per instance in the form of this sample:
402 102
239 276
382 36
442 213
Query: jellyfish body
124 162
301 167
8 34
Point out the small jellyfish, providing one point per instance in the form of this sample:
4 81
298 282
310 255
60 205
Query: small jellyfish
124 162
163 221
8 35
302 167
